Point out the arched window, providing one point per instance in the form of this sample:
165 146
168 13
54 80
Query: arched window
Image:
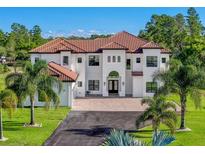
114 74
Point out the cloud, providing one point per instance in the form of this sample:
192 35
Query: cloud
80 30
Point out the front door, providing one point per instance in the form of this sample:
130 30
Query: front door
113 86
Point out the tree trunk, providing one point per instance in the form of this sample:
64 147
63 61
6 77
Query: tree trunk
183 110
1 125
32 122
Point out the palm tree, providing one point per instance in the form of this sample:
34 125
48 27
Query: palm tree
120 138
159 111
8 100
182 79
34 79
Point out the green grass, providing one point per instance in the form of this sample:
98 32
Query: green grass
19 135
195 120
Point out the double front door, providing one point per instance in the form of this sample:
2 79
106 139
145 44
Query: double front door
113 86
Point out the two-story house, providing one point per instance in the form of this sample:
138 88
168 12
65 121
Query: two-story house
120 65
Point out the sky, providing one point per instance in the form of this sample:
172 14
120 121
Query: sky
85 21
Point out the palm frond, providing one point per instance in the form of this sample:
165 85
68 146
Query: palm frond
161 139
8 100
147 100
196 97
168 105
171 124
120 138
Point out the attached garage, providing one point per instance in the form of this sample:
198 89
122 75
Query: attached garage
68 78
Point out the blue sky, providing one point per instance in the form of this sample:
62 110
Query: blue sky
85 21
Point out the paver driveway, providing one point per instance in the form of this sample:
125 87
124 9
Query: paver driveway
89 128
108 104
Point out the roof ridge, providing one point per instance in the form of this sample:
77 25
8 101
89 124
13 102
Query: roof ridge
112 42
74 45
130 35
49 42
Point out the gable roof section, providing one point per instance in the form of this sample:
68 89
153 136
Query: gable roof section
151 45
61 72
121 40
56 46
113 45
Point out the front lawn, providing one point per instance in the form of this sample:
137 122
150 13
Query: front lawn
19 135
195 120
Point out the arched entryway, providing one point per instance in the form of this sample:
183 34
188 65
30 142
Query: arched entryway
113 82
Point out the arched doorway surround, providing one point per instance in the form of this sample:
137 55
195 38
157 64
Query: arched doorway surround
113 82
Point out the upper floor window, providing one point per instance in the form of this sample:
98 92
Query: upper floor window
138 60
118 59
65 60
151 87
94 61
93 85
113 59
128 64
79 60
36 59
108 59
163 60
151 61
80 84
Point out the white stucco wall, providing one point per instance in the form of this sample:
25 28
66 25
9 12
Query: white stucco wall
48 57
80 68
65 96
148 72
93 73
128 75
128 84
137 86
114 66
137 66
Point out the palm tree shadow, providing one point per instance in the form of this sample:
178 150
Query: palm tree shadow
12 126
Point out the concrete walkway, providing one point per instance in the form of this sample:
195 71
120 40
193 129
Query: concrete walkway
82 128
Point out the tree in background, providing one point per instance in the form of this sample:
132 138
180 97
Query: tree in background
35 37
172 32
2 38
194 25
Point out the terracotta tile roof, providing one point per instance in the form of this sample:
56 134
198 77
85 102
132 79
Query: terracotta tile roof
151 45
113 45
61 72
137 73
120 40
57 45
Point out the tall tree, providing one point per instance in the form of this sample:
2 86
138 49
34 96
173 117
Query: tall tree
2 38
21 36
162 29
182 79
34 79
35 36
194 24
